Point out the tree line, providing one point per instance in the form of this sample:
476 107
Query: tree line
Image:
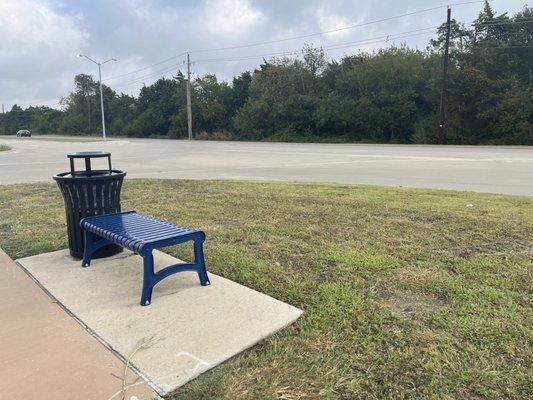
388 96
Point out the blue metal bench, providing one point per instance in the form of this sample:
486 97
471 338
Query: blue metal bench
142 235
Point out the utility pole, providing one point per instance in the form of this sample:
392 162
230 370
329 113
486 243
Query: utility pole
88 97
443 125
189 108
89 106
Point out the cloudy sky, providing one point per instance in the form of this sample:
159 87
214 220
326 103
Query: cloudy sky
41 38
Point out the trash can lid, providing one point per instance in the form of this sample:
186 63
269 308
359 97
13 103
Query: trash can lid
89 154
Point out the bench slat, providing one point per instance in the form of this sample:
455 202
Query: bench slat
132 230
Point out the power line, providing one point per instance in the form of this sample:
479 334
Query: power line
514 20
150 75
357 43
296 37
291 52
502 47
336 47
281 53
520 21
373 40
334 30
147 67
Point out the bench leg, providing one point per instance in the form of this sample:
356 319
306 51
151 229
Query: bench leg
148 279
91 246
88 239
200 262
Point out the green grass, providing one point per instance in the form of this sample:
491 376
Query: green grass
407 293
4 147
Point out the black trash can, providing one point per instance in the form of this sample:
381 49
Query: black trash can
89 192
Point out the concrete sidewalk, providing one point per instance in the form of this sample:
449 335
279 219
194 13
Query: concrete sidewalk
45 354
185 331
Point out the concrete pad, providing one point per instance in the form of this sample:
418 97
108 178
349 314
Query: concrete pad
187 329
46 355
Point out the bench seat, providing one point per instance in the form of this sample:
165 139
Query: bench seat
142 235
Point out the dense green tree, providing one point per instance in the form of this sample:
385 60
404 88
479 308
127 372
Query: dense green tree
240 90
214 103
155 106
82 107
40 119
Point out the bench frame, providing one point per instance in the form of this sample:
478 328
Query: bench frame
94 242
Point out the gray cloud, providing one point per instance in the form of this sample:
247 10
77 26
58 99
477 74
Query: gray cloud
41 38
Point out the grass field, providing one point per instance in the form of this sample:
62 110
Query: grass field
407 293
4 147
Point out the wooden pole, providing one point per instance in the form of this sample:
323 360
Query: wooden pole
88 96
443 125
189 108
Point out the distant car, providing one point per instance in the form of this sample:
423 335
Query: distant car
24 133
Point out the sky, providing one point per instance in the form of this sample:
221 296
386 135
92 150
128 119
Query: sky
40 39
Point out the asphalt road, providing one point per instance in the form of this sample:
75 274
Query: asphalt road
494 169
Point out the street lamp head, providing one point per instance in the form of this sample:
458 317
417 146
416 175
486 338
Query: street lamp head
80 55
106 61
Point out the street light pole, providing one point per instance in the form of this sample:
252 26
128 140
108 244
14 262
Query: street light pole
101 100
100 83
